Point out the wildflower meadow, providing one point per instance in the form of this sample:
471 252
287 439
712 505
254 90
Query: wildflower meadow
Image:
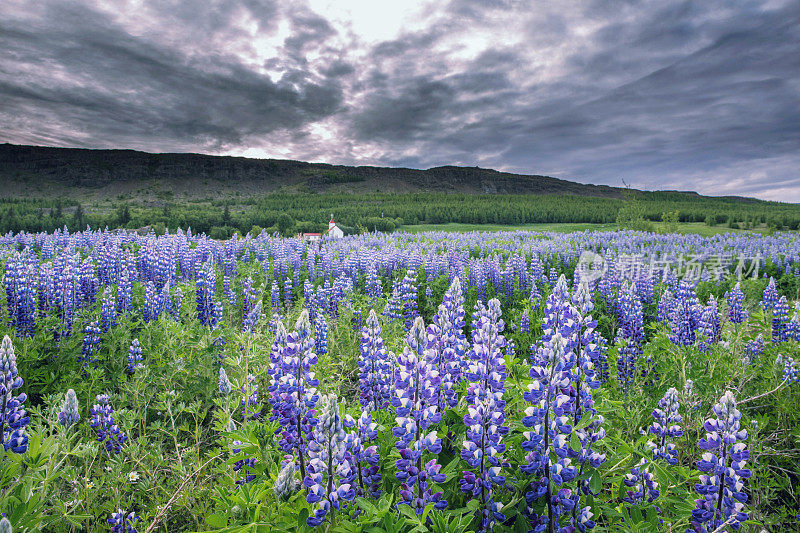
443 382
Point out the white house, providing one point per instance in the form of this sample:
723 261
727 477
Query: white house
333 230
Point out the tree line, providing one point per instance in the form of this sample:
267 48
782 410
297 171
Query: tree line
293 213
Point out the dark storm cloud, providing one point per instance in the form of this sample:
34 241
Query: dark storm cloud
684 95
83 74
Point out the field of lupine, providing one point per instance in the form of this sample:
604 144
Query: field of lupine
398 382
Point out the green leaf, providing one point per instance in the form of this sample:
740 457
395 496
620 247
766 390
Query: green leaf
596 483
301 518
215 520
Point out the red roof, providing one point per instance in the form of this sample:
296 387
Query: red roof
311 234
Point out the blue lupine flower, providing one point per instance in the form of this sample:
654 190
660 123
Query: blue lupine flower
376 366
122 522
69 413
91 343
631 333
770 296
446 344
329 474
225 386
296 391
13 417
525 322
721 488
286 483
790 374
736 310
755 347
408 298
640 479
550 428
373 287
363 458
108 309
485 416
321 335
207 309
683 319
780 320
250 321
134 356
103 423
416 381
357 320
666 426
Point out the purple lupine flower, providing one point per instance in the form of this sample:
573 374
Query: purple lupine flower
640 479
780 320
91 343
70 412
225 386
206 284
357 320
373 287
754 348
123 522
549 421
708 326
721 488
103 423
666 426
408 298
321 335
363 458
770 296
683 317
108 309
249 296
275 297
790 374
416 406
288 292
446 344
376 366
296 391
525 322
286 483
664 307
631 333
394 307
736 310
13 417
329 474
250 322
134 356
485 416
584 350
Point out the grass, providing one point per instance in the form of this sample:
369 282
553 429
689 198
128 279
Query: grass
699 228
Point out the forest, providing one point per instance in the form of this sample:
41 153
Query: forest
289 214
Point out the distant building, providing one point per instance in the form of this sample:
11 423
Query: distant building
311 237
333 230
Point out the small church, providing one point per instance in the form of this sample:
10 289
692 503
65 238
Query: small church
334 232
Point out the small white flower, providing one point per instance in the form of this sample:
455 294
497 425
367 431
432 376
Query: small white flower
133 476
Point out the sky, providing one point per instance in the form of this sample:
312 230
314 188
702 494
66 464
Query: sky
657 94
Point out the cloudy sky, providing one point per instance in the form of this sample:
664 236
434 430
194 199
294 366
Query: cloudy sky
662 94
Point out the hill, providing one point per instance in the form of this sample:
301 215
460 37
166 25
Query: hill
32 170
43 188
